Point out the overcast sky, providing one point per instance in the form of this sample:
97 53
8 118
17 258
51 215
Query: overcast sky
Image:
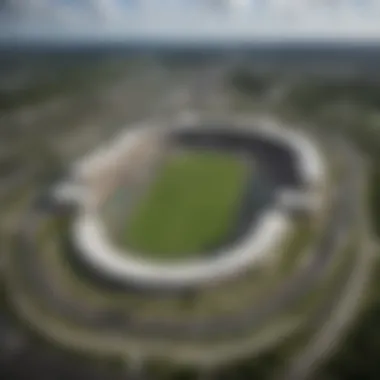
79 20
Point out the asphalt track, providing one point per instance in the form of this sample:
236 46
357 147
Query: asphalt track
40 281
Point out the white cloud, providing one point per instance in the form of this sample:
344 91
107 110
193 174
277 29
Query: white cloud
113 19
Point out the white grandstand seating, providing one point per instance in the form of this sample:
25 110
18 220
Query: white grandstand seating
90 236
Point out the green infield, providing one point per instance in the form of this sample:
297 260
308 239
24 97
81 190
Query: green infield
191 206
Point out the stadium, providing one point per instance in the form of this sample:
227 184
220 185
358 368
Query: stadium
222 246
196 243
285 173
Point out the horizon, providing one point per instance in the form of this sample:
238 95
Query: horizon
110 22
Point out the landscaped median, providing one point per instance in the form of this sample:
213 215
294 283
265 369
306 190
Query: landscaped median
100 342
41 315
230 296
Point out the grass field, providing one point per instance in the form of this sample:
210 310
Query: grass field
191 206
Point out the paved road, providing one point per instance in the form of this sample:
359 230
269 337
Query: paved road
337 319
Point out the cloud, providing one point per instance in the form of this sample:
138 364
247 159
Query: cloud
124 20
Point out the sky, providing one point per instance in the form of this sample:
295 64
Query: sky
188 20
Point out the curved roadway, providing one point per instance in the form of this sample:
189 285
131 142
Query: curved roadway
342 216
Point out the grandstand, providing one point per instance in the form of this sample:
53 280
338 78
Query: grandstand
279 161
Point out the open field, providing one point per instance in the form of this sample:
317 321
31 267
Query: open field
191 207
